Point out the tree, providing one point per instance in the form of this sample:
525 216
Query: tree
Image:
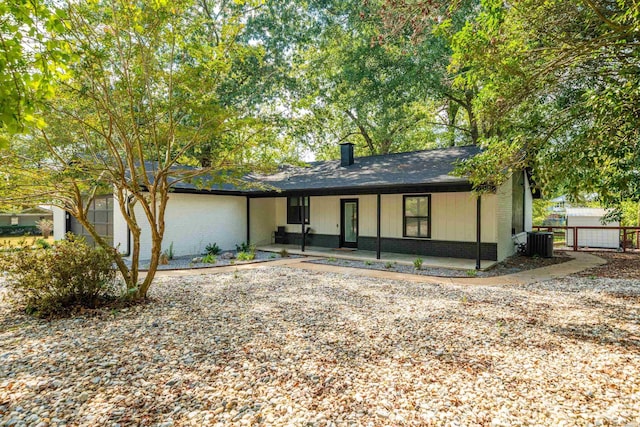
428 29
145 90
556 88
334 82
560 90
29 61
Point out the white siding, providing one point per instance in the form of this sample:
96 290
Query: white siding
324 217
391 216
262 220
489 224
193 221
120 228
453 216
59 222
503 218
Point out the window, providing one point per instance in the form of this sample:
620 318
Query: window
417 216
294 210
100 214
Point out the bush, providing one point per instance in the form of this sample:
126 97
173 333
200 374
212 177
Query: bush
417 263
212 249
43 244
57 280
18 230
284 253
169 251
245 247
246 256
209 259
45 226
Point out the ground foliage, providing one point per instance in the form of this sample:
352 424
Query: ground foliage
276 347
56 280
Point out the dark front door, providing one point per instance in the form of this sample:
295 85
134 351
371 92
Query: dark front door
349 223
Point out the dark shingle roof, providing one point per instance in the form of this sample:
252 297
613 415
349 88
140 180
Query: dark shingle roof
429 167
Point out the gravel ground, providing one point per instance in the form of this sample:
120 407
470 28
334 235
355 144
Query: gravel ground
513 264
277 346
620 265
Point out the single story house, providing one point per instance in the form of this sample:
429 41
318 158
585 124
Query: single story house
408 203
24 221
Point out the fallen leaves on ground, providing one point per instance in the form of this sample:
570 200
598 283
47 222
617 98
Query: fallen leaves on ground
278 346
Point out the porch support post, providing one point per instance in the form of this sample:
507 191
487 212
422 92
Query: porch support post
248 220
378 240
478 231
302 220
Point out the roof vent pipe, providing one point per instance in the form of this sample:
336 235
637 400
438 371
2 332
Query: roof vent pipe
346 154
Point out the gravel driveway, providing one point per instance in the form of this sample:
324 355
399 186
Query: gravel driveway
277 346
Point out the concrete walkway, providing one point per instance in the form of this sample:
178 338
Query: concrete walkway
364 255
581 261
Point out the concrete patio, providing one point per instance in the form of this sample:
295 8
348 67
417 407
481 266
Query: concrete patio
362 255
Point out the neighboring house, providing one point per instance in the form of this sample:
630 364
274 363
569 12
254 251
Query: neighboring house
401 203
594 237
23 221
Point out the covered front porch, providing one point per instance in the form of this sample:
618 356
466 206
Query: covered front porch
445 230
385 257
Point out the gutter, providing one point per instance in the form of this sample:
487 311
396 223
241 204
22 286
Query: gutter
128 253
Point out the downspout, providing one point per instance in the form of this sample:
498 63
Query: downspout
524 201
378 240
128 253
302 221
478 231
248 220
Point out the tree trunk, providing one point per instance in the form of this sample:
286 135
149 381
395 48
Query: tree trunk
363 132
473 121
452 114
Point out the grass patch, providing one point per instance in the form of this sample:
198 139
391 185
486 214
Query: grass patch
9 242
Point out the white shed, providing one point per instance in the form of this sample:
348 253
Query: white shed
593 238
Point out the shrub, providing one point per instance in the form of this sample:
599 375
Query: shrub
245 256
54 281
472 273
209 259
283 253
41 243
164 258
388 265
18 230
245 247
417 263
212 249
45 226
169 251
